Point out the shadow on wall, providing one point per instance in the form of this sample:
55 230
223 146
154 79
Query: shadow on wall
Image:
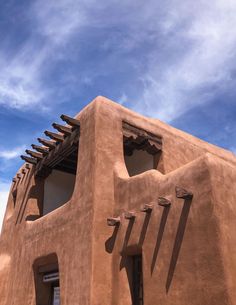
110 242
159 236
135 250
178 241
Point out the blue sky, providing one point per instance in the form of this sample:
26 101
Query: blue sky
172 60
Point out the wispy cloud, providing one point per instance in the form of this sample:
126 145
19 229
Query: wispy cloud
12 153
183 53
22 76
200 61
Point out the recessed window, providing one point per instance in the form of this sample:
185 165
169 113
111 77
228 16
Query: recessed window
58 189
142 150
55 168
47 281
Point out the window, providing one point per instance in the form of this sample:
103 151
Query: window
52 279
142 150
55 166
58 189
47 283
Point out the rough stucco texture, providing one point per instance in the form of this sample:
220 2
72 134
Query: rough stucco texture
188 249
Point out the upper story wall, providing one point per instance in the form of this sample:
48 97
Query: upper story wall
101 152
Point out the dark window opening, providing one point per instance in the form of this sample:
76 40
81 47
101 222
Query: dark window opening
51 279
47 283
55 179
59 184
137 280
142 150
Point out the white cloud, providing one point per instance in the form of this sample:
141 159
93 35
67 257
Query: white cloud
12 153
4 190
20 83
205 64
190 59
21 76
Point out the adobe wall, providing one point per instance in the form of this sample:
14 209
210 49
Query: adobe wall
187 248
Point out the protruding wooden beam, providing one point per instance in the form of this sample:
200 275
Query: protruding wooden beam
50 144
147 208
113 221
28 159
23 171
70 121
129 215
18 176
34 154
54 136
27 166
64 129
42 149
164 202
182 193
14 180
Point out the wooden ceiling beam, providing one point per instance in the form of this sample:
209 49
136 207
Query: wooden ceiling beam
29 159
63 129
70 121
34 154
54 136
41 149
50 144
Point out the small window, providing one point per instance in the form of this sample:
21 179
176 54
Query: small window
142 150
47 283
51 279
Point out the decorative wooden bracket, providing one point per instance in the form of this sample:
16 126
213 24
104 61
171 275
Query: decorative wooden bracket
29 159
50 144
113 221
70 121
129 215
147 208
164 202
137 138
34 154
54 136
182 193
63 129
42 149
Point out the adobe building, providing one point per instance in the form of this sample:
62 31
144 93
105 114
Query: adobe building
119 209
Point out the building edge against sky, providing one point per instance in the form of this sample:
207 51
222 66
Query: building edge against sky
116 208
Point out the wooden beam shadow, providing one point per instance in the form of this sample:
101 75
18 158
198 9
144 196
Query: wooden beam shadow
144 229
110 242
127 234
159 236
178 241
